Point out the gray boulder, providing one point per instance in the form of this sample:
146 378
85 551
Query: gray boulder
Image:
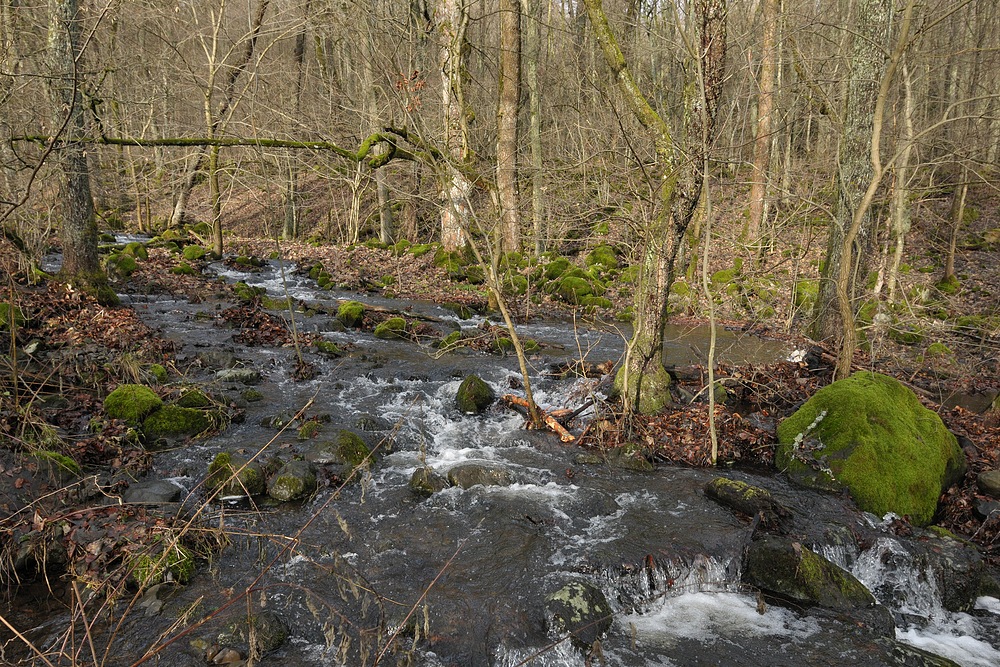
152 492
467 475
296 479
581 610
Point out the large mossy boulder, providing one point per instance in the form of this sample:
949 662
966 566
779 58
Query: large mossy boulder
174 421
474 395
131 402
393 328
870 435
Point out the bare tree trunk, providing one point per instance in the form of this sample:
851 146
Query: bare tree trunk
453 18
291 227
765 109
957 216
901 188
532 47
508 98
78 232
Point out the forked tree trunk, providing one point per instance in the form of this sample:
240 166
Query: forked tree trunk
642 380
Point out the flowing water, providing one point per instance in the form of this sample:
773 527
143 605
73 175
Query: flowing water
469 570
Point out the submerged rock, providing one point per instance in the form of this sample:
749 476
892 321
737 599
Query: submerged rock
468 475
424 482
347 450
474 395
239 376
152 492
581 610
870 435
745 498
259 633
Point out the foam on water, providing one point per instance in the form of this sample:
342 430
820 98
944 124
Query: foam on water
707 617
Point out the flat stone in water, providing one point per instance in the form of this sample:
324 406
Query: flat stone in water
152 492
239 375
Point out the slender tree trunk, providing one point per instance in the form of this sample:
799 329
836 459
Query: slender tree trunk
78 232
508 99
219 119
453 18
957 216
765 109
901 188
532 48
291 227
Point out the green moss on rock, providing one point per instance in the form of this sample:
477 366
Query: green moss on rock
474 395
174 421
122 264
233 474
603 257
296 479
391 329
131 402
8 314
136 249
193 253
870 435
351 313
158 373
175 562
64 465
194 398
182 269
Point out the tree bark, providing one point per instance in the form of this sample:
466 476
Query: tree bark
765 109
508 99
452 19
78 233
532 48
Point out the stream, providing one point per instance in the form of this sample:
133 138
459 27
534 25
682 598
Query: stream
470 570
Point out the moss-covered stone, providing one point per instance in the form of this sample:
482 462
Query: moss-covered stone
309 430
351 313
555 268
122 264
391 329
603 257
906 335
790 570
136 249
461 311
420 249
573 289
131 402
158 373
63 466
232 474
870 435
630 275
347 448
251 395
193 253
745 498
172 562
246 293
174 421
327 347
182 269
8 314
194 398
296 479
474 395
938 350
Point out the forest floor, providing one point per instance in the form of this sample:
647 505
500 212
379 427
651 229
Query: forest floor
90 348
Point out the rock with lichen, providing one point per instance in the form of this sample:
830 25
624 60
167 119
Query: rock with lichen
474 395
580 610
131 402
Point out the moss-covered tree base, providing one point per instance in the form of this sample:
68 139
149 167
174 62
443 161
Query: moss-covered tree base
649 391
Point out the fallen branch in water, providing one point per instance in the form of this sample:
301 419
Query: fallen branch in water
556 420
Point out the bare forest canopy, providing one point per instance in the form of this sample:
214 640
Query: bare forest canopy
546 123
